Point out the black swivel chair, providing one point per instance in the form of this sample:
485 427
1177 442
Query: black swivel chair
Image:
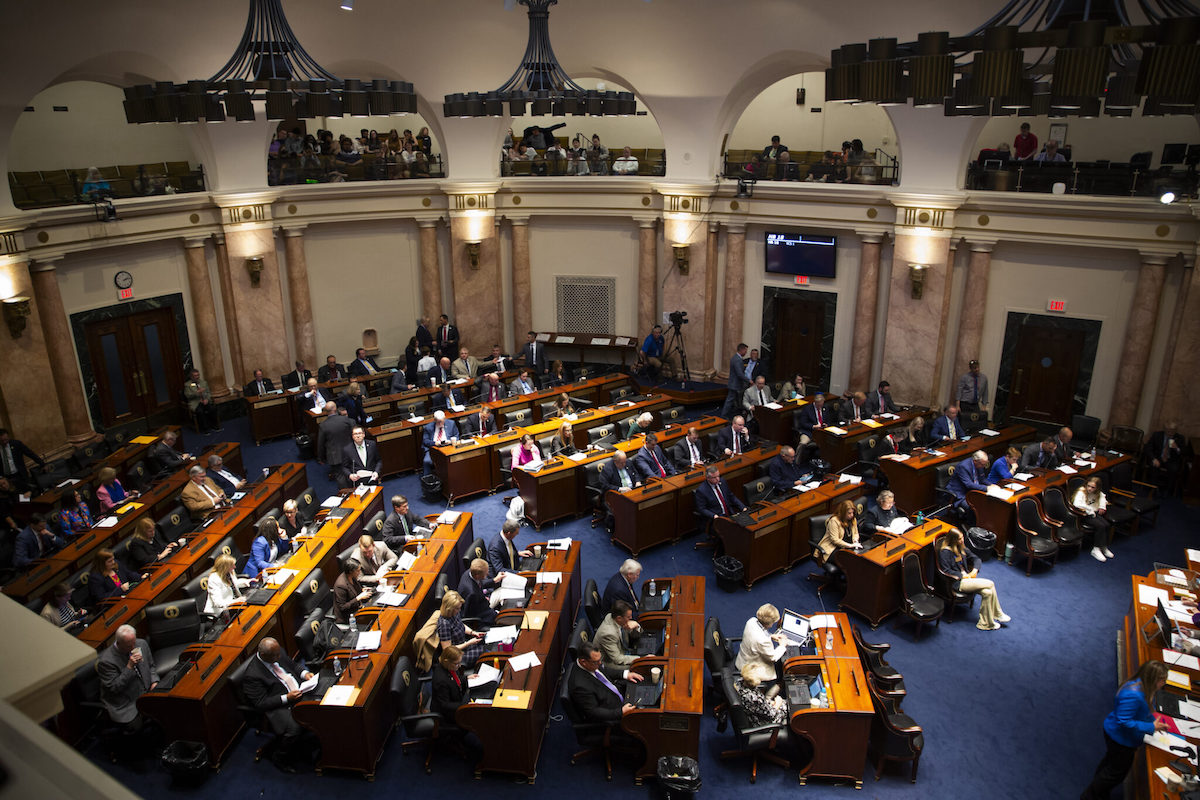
421 727
1066 525
816 532
1136 496
596 738
313 593
171 628
595 489
920 604
307 505
252 716
718 654
175 523
592 606
757 741
943 585
758 489
1085 429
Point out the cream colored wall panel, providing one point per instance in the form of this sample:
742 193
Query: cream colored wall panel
589 248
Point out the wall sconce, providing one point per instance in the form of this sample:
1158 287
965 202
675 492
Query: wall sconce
473 254
916 277
16 313
254 265
682 257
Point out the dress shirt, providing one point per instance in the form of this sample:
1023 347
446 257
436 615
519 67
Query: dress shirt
694 457
758 646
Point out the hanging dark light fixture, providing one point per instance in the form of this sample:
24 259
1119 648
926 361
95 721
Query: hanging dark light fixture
881 77
272 69
1170 71
540 83
931 69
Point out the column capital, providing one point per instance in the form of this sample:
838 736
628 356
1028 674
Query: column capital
1154 259
292 231
714 226
646 222
44 263
427 223
736 227
190 242
981 246
219 239
521 221
871 237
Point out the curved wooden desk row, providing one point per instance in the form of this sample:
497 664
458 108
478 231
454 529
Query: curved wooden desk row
282 413
160 499
873 578
840 450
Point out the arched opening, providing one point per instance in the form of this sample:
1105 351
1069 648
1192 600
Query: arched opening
811 135
74 125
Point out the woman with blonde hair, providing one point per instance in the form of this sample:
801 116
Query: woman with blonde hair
963 567
224 587
563 443
841 530
1090 500
452 630
760 647
110 493
147 545
761 710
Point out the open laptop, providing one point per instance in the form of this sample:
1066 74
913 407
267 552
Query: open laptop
657 602
797 630
645 694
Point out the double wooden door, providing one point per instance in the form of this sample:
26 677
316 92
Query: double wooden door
1045 372
799 336
136 366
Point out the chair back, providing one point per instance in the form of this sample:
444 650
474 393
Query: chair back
1084 429
674 414
197 589
374 526
440 586
866 450
478 549
273 513
564 695
816 529
138 476
1074 484
913 580
345 554
758 489
591 603
1055 506
175 523
307 504
227 547
406 687
737 711
176 622
313 592
593 472
549 409
545 443
600 432
1029 517
620 393
518 416
580 636
944 473
1126 439
79 586
716 648
306 638
943 582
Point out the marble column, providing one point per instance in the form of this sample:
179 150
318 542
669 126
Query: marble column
431 272
522 281
29 405
1173 400
863 344
56 329
974 301
229 305
262 329
204 316
709 353
914 346
1139 338
300 297
476 287
735 292
647 275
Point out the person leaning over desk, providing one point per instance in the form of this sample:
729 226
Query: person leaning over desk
1129 721
760 647
841 530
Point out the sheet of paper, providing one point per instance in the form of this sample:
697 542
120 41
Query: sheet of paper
502 595
1177 678
623 340
989 432
143 440
1182 660
773 405
600 340
1067 469
1193 555
565 340
534 620
1085 464
899 525
888 415
280 576
559 544
836 431
501 633
1167 775
549 577
897 456
406 561
1150 595
822 621
543 337
107 522
339 695
996 491
368 640
68 482
309 684
1190 709
870 423
486 674
513 580
391 598
852 479
458 407
448 517
1163 741
331 502
416 419
524 661
361 491
577 456
24 498
1016 487
1023 476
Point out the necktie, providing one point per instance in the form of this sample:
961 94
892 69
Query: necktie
439 437
976 398
892 441
695 454
492 394
761 401
600 677
819 422
1166 447
9 466
532 352
720 498
362 454
882 406
466 367
284 678
662 472
210 494
625 479
737 443
512 557
261 390
856 412
953 430
404 526
632 593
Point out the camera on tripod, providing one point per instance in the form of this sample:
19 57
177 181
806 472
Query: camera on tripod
678 318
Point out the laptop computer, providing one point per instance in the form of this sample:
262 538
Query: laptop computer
796 629
657 602
531 563
260 597
648 644
644 694
797 692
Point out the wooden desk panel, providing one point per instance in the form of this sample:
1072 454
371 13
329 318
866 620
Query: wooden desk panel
842 451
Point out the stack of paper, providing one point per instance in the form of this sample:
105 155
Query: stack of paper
1016 487
534 620
485 674
897 456
1067 469
822 621
309 684
68 482
772 405
406 561
280 576
456 407
899 525
989 432
524 661
561 339
888 415
368 640
340 695
1182 660
577 456
836 431
331 502
1023 476
416 419
107 522
501 633
391 599
448 517
870 423
995 491
851 479
559 544
1179 680
1150 595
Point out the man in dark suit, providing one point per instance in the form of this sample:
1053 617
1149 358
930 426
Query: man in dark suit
362 364
970 475
13 453
880 400
1062 443
475 587
272 685
447 397
258 386
333 434
854 409
491 388
735 439
688 452
620 586
332 371
738 382
423 334
436 433
314 397
534 353
127 671
503 555
163 455
296 378
593 687
619 474
360 459
225 480
1042 455
35 541
714 498
480 423
772 151
812 416
785 471
523 383
1164 455
447 338
947 427
401 525
651 461
440 373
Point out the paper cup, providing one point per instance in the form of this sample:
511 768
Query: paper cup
655 674
537 551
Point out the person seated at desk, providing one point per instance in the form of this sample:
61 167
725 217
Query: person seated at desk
452 630
1004 467
163 455
291 524
947 428
1039 455
351 401
881 514
108 578
465 365
962 565
448 398
491 389
969 475
377 559
1164 456
439 432
714 498
1090 500
619 474
639 425
200 404
526 453
440 373
362 364
201 496
400 382
558 374
596 689
523 384
651 461
785 471
449 684
481 423
1050 154
620 587
688 452
35 541
348 592
880 400
224 586
58 610
502 554
917 435
894 442
617 634
258 386
296 378
735 439
563 405
332 371
267 548
147 545
110 493
793 390
1062 444
498 358
225 480
563 443
760 647
476 589
760 709
75 516
127 671
841 531
810 417
314 398
272 685
401 525
756 394
425 363
854 409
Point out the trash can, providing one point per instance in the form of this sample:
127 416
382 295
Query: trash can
981 542
431 488
304 447
679 777
187 762
729 572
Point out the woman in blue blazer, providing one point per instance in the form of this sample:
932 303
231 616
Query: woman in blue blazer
1125 726
267 547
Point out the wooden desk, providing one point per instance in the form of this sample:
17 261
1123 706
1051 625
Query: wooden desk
778 424
913 479
597 344
841 450
271 415
874 587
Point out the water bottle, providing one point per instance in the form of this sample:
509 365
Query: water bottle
829 638
353 624
337 667
920 517
653 588
1008 552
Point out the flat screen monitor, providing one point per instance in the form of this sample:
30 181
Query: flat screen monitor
1174 153
802 254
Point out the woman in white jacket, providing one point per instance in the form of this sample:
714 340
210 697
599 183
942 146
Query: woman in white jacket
1091 501
224 587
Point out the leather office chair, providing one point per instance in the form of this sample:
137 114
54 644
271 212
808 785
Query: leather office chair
79 586
758 489
816 532
623 426
673 415
619 393
1085 430
518 417
374 526
272 513
440 586
421 727
544 444
594 737
602 434
345 554
871 655
307 505
171 628
757 741
83 458
943 585
894 736
581 635
595 490
718 654
138 476
252 716
1033 535
942 477
920 604
1121 518
228 546
549 409
119 744
592 605
197 590
54 473
175 523
1126 439
478 549
1134 495
1068 526
313 593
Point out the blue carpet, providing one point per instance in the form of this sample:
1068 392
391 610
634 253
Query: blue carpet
1012 713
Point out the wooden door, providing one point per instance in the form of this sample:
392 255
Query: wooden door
136 366
799 332
1045 373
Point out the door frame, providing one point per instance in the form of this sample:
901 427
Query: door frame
767 333
1087 359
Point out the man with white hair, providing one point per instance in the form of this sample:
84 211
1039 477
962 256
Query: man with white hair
621 586
201 496
164 455
440 431
127 671
969 475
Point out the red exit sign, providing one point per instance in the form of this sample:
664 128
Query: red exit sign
802 280
124 294
1059 306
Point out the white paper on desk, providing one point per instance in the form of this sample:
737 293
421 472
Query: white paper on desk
331 502
1023 476
888 415
448 517
1167 775
773 405
1085 464
626 403
486 674
852 479
524 661
458 407
391 598
1190 709
107 522
899 525
897 456
362 490
988 432
67 482
370 418
600 340
822 621
460 381
1016 487
623 340
280 576
339 695
559 544
406 561
544 337
939 454
836 431
548 577
996 491
1177 613
564 340
368 640
421 532
503 633
1177 678
807 486
1067 469
415 419
577 456
1150 595
513 580
1163 741
533 466
1173 579
309 684
501 595
1176 659
23 498
571 417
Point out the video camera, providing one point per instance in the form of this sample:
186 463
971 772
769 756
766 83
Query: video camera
678 318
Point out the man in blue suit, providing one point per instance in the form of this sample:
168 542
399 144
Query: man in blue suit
34 542
620 587
223 478
651 461
784 472
738 382
971 473
947 427
503 555
475 586
813 415
714 498
438 432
